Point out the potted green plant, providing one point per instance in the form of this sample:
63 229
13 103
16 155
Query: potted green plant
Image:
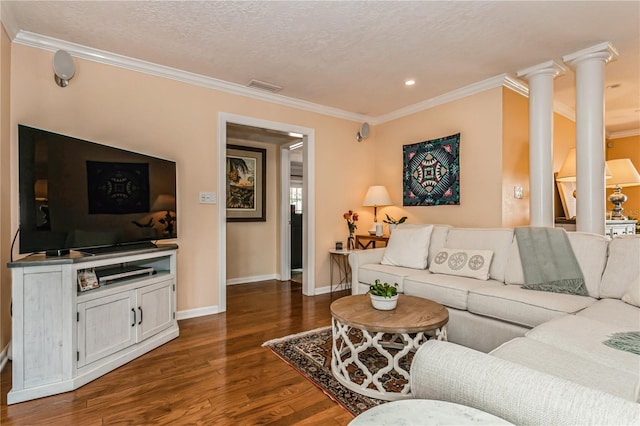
384 297
393 223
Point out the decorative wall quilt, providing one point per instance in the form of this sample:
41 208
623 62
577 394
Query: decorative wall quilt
431 172
118 188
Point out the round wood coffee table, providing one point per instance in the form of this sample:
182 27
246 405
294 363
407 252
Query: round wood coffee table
370 347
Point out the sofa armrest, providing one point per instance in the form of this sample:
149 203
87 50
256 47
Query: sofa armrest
362 257
449 372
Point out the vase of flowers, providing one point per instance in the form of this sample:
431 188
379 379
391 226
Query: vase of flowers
351 217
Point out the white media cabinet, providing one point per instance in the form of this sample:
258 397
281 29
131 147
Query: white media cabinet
63 338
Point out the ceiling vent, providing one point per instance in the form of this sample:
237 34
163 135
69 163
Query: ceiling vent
267 87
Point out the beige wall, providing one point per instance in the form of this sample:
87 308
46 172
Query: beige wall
5 197
252 247
478 118
515 158
628 147
178 121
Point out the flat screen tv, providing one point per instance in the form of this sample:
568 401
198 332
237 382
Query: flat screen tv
76 194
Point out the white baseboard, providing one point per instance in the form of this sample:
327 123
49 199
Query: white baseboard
322 290
197 312
256 278
4 356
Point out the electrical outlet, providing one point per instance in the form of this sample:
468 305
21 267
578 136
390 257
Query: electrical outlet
208 198
518 192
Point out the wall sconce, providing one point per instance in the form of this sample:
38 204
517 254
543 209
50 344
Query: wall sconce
363 133
624 174
63 68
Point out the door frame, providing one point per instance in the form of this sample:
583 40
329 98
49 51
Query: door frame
308 200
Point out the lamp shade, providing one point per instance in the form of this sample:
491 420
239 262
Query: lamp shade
568 173
164 202
623 173
377 195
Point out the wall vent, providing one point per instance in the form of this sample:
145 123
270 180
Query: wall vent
267 87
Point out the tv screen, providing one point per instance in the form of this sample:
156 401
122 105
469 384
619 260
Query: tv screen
76 194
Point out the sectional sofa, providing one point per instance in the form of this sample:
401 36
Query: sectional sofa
553 334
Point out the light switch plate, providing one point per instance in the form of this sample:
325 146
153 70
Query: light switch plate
208 198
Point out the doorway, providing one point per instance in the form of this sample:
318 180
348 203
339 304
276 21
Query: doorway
308 219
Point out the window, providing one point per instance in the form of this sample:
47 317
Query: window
295 198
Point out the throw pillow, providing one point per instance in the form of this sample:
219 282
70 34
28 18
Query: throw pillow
632 295
462 262
408 247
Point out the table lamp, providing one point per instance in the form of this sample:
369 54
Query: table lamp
377 195
624 174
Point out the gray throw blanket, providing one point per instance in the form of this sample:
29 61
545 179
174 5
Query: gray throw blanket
548 261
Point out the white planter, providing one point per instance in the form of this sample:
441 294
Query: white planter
392 226
382 303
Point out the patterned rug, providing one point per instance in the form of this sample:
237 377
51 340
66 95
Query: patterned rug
310 354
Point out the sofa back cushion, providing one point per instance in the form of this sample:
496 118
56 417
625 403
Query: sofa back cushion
498 240
622 267
437 239
408 247
590 251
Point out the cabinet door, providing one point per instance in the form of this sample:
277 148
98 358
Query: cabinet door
155 308
105 326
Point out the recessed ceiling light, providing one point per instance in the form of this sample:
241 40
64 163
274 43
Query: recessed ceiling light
295 135
409 82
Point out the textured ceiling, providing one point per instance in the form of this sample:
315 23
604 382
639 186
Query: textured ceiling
355 55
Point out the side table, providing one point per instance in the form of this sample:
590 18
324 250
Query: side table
370 240
340 258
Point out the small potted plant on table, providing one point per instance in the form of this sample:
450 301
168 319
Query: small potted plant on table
384 297
393 223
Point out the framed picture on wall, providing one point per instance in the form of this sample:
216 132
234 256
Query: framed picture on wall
246 184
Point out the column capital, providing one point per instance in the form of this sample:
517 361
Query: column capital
604 52
550 67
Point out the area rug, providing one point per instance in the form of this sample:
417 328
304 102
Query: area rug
310 354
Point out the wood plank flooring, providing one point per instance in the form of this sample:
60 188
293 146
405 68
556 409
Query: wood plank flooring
215 373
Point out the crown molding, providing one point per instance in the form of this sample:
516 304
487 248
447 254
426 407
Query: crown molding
38 41
463 92
624 134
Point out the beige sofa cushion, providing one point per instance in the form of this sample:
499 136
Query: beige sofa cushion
584 336
558 362
525 307
408 247
449 290
615 312
437 240
590 251
370 272
497 240
623 266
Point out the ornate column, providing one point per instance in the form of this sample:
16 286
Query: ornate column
589 65
541 182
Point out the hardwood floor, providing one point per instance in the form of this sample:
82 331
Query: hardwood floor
216 372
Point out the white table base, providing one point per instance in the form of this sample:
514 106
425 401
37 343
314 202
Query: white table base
345 354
